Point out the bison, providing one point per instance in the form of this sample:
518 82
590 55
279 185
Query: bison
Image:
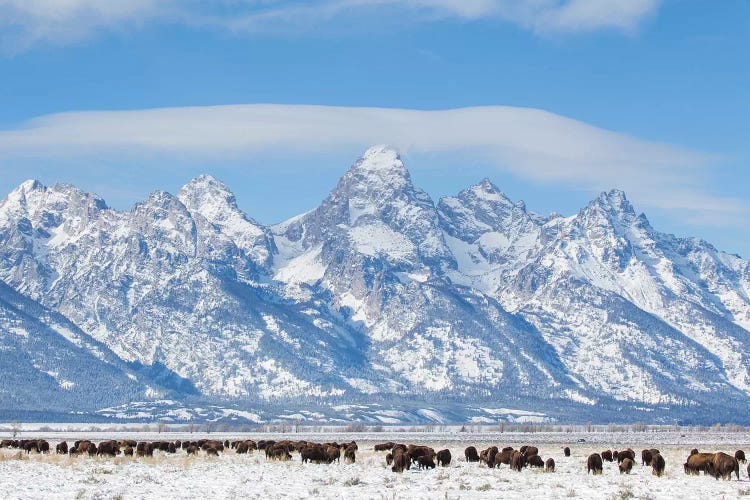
566 451
697 462
549 466
517 461
646 457
350 454
722 465
385 446
401 461
504 457
471 454
62 448
740 456
389 459
535 461
443 458
622 455
530 450
657 465
128 452
626 466
426 462
594 464
607 455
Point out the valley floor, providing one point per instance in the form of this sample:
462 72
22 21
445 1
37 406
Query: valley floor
252 476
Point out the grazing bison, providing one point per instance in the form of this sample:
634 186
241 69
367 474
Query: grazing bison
401 461
471 454
566 451
241 448
385 446
488 456
389 459
349 454
646 457
333 454
626 466
535 461
657 465
517 461
622 455
698 462
607 456
109 448
443 458
594 464
740 456
722 465
426 462
212 452
192 449
128 452
549 466
530 450
504 457
62 448
615 455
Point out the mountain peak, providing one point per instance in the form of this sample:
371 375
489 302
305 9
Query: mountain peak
382 161
205 193
614 200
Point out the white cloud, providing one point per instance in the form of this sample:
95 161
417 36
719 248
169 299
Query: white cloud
529 143
24 23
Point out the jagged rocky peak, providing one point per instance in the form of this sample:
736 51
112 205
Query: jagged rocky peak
207 194
482 208
612 204
214 201
48 206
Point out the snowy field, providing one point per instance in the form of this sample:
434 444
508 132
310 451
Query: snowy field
252 476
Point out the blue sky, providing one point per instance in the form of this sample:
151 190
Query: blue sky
644 95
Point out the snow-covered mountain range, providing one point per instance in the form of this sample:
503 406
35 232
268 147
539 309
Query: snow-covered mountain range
379 304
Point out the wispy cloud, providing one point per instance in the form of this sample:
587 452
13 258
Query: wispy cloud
529 143
24 23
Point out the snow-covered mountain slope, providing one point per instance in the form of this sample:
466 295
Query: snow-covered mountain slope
379 296
47 363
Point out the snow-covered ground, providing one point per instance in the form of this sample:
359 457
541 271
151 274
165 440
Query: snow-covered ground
252 476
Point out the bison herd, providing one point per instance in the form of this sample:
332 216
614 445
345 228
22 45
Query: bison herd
274 450
399 457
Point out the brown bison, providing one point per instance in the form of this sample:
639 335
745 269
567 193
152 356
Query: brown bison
385 446
549 466
192 449
530 450
566 451
594 464
488 456
646 457
722 465
389 459
657 465
517 461
426 462
622 455
626 466
62 448
350 454
535 461
740 456
694 451
443 458
471 454
607 456
504 457
109 448
401 461
128 452
698 462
